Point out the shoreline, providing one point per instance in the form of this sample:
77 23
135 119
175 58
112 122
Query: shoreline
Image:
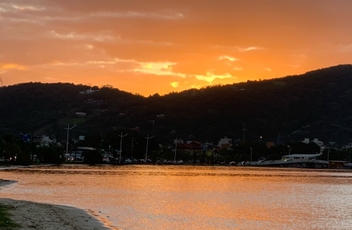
32 215
42 216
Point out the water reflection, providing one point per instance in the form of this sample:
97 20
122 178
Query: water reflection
187 197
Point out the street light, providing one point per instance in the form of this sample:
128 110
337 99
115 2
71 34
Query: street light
244 131
67 135
251 152
121 136
289 150
175 150
146 148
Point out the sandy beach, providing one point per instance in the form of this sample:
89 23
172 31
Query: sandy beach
30 215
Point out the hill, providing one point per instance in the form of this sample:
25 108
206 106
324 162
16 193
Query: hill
312 105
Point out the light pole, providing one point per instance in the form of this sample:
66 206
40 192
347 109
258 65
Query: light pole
121 136
67 135
175 151
132 148
146 148
251 152
244 131
289 150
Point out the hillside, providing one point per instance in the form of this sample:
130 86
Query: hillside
313 105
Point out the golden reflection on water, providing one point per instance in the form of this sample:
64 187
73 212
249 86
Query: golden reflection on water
189 197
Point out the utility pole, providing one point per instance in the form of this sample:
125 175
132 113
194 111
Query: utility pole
131 148
175 150
251 151
244 131
146 148
121 136
67 135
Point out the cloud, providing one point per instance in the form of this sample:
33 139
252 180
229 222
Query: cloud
76 36
165 69
27 7
174 84
158 68
210 77
226 57
12 66
345 48
246 49
9 7
89 46
239 48
141 15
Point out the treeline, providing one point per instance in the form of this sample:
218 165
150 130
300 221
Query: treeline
16 151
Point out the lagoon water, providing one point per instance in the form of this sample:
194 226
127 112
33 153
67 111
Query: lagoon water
192 197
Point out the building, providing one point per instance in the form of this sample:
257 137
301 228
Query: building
315 140
225 143
299 157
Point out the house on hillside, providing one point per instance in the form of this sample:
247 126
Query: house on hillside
188 145
81 114
88 91
315 140
225 143
45 141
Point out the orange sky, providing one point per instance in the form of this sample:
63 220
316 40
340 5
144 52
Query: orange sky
162 46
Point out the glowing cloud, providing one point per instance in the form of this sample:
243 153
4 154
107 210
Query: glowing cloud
158 68
75 36
210 77
134 14
6 7
12 66
27 7
241 49
89 46
225 57
174 84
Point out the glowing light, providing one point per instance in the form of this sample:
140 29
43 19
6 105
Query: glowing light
174 84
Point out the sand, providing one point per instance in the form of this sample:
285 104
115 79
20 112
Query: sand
31 215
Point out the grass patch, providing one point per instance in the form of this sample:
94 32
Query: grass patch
5 222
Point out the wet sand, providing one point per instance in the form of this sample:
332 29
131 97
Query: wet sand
31 215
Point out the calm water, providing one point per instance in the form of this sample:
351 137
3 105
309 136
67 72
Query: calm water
188 197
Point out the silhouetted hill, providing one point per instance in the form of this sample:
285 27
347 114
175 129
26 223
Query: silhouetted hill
313 105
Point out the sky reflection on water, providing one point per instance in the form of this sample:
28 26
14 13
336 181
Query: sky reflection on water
188 197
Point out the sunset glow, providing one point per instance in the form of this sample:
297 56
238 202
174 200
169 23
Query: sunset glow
151 46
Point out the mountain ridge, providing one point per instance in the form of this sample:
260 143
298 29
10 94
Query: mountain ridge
311 105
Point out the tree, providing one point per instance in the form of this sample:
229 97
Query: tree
49 154
92 157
